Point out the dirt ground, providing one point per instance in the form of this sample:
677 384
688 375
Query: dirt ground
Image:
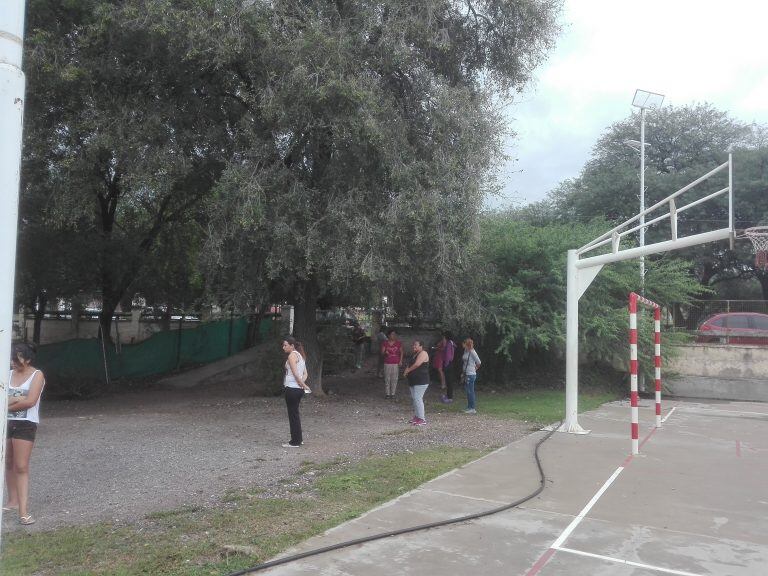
121 457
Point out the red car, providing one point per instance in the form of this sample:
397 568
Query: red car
735 328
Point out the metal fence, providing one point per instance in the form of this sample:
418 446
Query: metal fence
723 321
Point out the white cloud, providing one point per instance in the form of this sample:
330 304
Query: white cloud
690 51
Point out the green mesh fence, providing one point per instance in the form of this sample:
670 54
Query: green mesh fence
163 352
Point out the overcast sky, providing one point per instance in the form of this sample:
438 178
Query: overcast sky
690 51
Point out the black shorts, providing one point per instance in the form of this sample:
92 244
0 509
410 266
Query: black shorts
21 430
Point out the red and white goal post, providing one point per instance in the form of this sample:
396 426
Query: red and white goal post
634 299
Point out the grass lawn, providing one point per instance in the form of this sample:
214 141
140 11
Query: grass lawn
539 406
191 541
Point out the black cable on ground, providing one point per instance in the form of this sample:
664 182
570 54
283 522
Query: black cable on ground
301 555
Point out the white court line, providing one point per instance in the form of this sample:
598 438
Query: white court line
692 410
668 415
475 498
627 562
572 526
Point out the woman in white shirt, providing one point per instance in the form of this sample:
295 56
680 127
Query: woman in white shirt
470 363
295 384
24 390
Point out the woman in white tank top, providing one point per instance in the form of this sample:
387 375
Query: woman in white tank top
295 385
26 386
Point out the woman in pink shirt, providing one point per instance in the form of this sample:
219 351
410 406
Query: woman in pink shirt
392 350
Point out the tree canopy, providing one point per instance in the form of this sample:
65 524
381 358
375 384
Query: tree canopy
372 140
312 149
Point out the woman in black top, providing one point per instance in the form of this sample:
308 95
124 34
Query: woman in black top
418 381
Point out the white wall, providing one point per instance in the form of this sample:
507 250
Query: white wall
719 371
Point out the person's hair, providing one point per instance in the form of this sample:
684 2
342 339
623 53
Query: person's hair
390 331
297 345
419 342
447 334
26 351
469 343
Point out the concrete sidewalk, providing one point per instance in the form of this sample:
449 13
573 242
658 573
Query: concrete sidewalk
693 502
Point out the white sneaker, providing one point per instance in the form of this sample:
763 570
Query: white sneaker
289 445
470 411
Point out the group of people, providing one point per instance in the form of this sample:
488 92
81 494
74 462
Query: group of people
417 372
391 360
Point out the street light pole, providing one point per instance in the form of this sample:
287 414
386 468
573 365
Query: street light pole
642 199
11 118
644 100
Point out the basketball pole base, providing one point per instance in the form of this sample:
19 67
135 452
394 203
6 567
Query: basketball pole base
570 428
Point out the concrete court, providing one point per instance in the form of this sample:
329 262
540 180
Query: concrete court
694 502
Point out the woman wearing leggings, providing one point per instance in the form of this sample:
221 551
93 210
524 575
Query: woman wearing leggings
418 380
295 384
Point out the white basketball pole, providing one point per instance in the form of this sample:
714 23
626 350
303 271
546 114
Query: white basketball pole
582 270
574 289
11 119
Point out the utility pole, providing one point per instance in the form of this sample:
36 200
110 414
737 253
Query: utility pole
11 120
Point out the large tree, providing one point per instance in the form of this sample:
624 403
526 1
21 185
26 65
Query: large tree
373 130
127 128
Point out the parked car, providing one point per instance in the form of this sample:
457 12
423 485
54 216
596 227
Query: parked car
735 328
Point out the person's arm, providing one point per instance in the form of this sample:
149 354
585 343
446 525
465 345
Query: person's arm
294 366
401 355
25 402
420 359
476 359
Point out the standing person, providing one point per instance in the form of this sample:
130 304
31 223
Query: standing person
295 384
25 387
438 361
470 362
381 338
448 356
358 337
418 379
392 353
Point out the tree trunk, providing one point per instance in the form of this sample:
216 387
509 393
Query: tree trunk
41 303
305 330
109 303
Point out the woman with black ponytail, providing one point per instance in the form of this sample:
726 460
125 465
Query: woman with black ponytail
295 384
24 390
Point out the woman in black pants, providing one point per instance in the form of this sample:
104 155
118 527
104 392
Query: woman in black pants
295 384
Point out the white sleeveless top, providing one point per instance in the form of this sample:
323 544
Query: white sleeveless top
290 379
31 414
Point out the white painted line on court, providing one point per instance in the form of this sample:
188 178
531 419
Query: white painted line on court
626 562
572 526
668 415
464 496
716 411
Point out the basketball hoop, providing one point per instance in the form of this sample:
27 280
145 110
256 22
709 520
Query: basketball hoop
759 237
